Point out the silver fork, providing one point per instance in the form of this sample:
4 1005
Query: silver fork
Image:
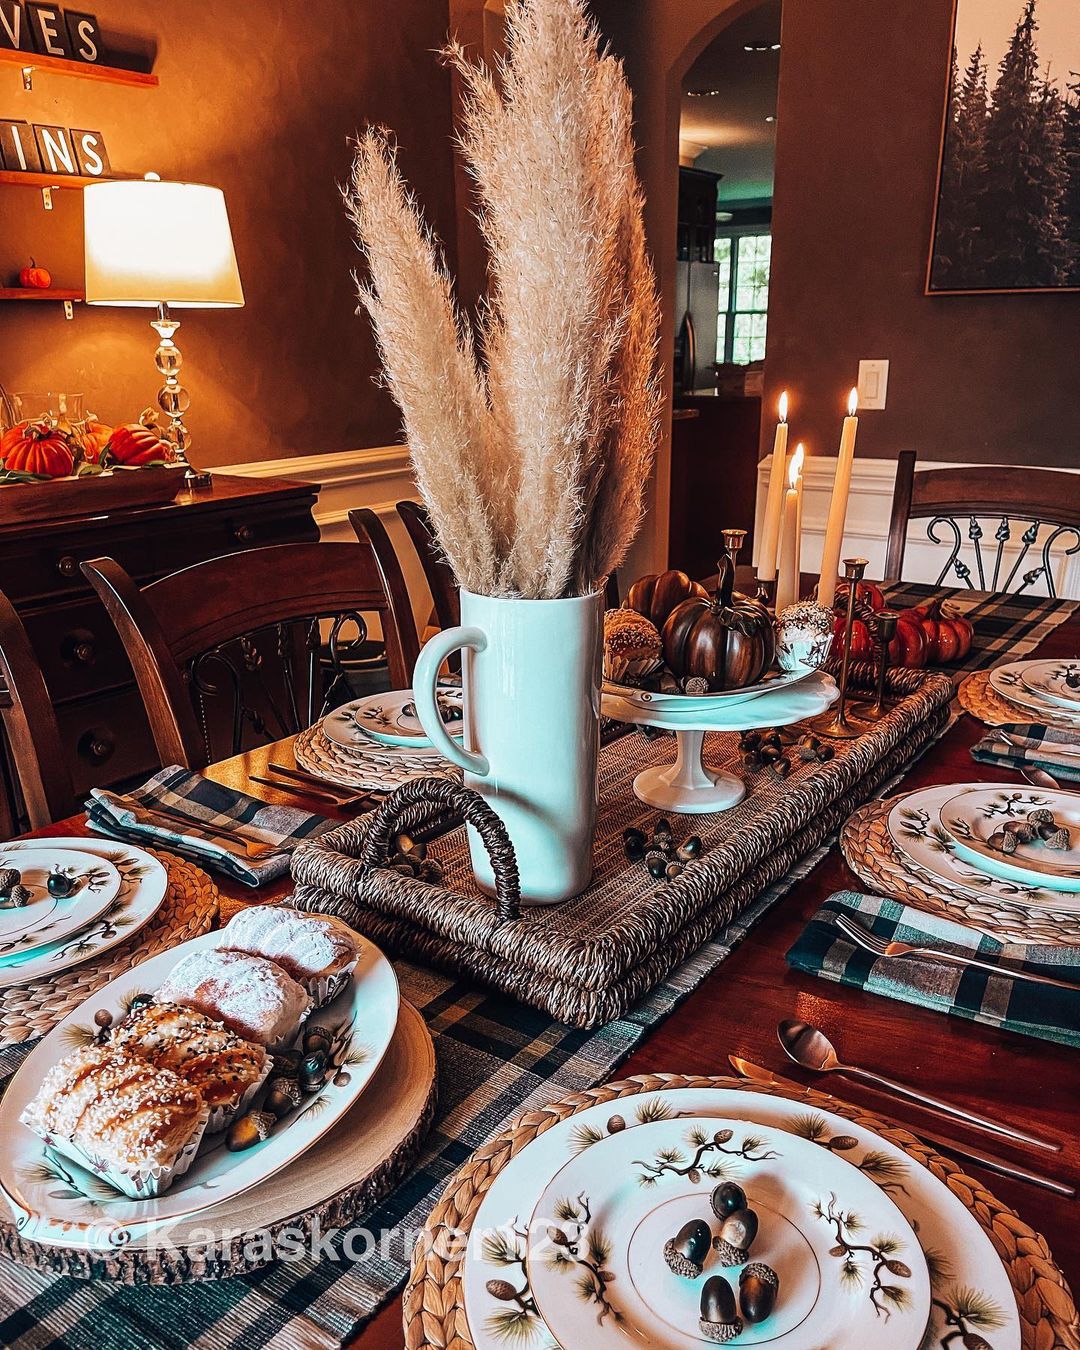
879 947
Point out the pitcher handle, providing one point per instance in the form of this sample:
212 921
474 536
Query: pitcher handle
425 679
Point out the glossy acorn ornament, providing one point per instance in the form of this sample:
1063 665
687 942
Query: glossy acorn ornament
719 1321
249 1130
312 1071
9 876
689 849
737 1234
287 1062
316 1039
759 1285
282 1096
726 1199
685 1253
19 896
61 882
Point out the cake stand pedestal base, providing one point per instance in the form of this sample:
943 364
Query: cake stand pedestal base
689 786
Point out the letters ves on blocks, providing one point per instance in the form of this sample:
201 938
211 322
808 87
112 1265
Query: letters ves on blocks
49 30
48 149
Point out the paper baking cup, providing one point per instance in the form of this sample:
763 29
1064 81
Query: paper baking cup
325 988
137 1184
221 1117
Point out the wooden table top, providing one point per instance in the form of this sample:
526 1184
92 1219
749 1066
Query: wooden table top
735 1011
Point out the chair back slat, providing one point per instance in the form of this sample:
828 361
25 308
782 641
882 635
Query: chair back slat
191 632
1031 515
437 571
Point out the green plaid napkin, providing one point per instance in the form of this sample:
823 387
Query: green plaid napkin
207 804
1050 748
999 1001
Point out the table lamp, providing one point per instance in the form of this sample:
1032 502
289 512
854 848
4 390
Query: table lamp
162 246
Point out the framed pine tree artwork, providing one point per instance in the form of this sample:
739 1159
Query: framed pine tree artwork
1007 215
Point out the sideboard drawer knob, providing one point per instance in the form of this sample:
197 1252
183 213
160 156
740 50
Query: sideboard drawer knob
68 566
243 534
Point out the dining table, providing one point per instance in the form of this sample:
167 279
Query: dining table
736 1009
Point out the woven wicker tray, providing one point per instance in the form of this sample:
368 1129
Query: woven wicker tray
434 1307
188 909
587 960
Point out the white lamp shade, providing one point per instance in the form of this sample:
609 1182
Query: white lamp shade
147 242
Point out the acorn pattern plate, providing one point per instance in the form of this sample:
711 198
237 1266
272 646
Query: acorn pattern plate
48 893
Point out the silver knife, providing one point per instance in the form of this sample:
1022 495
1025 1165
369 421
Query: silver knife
757 1073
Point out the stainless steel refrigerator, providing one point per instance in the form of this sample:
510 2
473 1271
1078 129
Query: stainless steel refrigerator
697 295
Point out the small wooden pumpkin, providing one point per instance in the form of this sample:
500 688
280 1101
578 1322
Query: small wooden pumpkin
35 278
137 443
37 448
656 595
727 640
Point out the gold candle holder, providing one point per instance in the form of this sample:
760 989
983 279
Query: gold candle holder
733 542
838 726
886 627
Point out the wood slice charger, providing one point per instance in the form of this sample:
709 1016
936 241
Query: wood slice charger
373 1146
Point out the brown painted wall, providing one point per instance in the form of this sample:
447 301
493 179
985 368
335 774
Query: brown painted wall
980 378
259 100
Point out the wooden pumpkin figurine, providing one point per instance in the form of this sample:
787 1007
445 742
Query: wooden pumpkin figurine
727 640
656 595
37 448
138 443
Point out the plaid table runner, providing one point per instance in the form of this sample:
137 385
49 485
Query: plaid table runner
998 1000
496 1059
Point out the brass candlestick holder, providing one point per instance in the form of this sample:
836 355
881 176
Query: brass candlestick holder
886 628
840 726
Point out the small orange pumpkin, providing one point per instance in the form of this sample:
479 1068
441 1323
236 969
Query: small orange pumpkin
35 278
37 448
91 439
137 443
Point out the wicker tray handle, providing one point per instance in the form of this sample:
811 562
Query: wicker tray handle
427 799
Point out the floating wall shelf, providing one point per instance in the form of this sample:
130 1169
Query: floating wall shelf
80 70
52 293
13 178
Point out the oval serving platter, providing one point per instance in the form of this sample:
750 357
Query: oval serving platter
47 918
56 1202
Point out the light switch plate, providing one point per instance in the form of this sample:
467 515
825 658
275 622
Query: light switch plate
873 384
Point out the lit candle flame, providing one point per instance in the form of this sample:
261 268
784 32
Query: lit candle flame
783 406
795 467
853 403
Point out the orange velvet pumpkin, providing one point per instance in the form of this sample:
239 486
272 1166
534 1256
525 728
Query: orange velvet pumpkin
91 439
37 448
137 443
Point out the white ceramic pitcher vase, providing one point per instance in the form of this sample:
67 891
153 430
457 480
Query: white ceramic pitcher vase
531 674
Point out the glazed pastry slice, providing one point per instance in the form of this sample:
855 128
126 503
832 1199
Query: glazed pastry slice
254 997
308 946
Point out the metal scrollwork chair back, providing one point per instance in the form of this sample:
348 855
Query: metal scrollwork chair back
1000 528
247 629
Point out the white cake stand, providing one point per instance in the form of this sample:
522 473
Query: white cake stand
689 786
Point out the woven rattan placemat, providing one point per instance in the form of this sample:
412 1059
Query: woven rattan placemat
979 697
188 909
434 1306
586 960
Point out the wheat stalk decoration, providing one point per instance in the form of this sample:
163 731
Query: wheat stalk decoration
532 437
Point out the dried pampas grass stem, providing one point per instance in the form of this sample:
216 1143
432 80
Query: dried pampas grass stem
533 438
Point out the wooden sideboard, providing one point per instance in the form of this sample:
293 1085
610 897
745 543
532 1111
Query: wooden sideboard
103 726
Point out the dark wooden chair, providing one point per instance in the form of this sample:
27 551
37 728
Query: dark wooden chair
246 627
35 758
1000 526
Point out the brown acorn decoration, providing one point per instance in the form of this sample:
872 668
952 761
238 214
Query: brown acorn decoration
249 1130
719 1320
19 896
282 1096
685 1253
313 1069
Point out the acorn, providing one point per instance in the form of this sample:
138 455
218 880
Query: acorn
634 844
60 884
632 835
758 1286
737 1235
137 1002
312 1071
825 753
782 767
689 849
282 1096
673 870
19 896
726 1199
9 876
103 1018
1008 843
616 1125
657 865
719 1321
249 1130
1020 830
431 871
1058 840
685 1253
1041 817
287 1062
317 1039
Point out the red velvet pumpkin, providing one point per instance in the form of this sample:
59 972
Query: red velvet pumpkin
37 448
949 634
137 443
727 639
656 596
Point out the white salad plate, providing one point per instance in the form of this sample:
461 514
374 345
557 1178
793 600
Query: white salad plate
56 1202
143 882
851 1269
965 1270
970 818
390 719
726 698
1008 681
1049 680
46 918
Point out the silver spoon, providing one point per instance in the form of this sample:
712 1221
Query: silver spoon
811 1048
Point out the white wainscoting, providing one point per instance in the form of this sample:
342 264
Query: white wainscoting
867 531
376 478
